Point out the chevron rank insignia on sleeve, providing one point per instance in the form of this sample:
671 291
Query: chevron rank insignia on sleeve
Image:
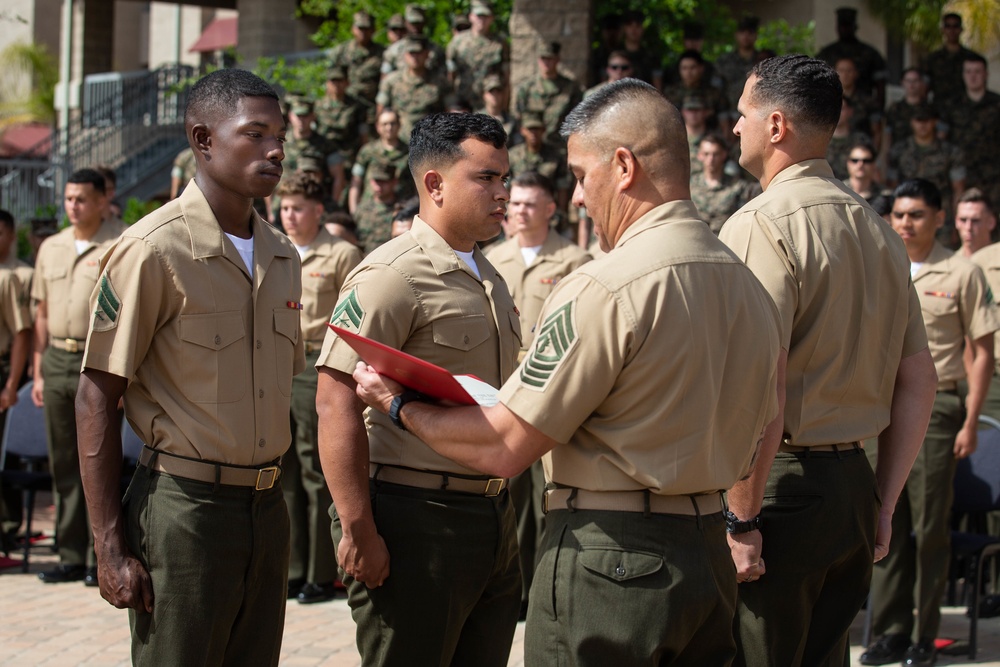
108 306
555 339
349 314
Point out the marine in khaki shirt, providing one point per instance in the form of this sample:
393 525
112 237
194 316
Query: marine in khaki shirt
196 324
647 387
405 515
854 364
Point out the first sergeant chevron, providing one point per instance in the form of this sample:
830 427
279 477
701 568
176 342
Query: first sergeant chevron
555 340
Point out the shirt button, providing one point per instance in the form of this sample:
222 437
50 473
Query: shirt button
261 443
620 571
259 344
260 393
466 340
218 339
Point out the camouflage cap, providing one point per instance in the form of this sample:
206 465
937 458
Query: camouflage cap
481 8
414 44
460 22
396 22
693 102
381 172
492 82
301 107
363 20
532 121
550 49
310 163
336 73
415 14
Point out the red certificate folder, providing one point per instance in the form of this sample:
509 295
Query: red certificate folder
418 374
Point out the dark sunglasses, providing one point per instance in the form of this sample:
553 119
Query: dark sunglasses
865 160
619 68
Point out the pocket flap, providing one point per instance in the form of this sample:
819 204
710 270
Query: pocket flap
461 333
286 322
619 565
212 330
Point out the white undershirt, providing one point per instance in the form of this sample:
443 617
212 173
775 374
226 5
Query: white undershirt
470 262
245 248
303 249
530 254
915 268
81 246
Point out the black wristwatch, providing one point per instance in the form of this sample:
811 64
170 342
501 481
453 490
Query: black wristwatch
397 404
734 526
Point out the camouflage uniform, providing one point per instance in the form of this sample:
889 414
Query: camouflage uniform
975 128
941 163
552 98
363 65
550 162
393 60
694 143
470 58
734 70
717 202
375 153
839 150
897 120
315 145
185 167
412 96
374 221
340 122
944 69
870 63
866 113
647 63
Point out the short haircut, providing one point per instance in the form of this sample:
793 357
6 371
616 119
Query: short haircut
864 144
6 219
883 203
221 91
951 15
108 173
532 179
923 75
807 90
692 55
919 188
436 139
975 196
301 184
92 176
974 58
340 218
620 54
712 138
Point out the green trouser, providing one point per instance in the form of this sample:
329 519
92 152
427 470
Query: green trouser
453 592
61 372
306 494
819 517
218 560
526 493
11 505
914 574
623 589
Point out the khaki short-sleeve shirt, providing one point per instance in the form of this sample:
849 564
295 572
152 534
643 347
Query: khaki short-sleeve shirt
840 278
325 267
209 349
655 364
64 279
956 302
531 285
988 259
14 315
416 295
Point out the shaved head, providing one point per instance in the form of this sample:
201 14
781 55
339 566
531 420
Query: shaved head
632 114
217 94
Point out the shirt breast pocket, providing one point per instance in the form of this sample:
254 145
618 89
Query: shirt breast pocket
286 329
215 369
461 333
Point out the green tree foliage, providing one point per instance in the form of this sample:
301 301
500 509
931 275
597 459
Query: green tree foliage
916 20
782 37
28 76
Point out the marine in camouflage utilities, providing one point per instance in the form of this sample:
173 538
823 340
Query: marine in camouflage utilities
375 152
412 96
374 221
551 98
549 161
975 129
717 202
364 67
340 121
941 163
470 58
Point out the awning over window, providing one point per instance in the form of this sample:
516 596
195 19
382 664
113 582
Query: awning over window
218 35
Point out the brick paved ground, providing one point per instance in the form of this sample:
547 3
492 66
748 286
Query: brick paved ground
69 625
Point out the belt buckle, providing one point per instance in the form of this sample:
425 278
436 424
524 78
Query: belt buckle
72 345
499 481
270 474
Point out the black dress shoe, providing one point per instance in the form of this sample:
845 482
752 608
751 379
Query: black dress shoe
312 593
294 587
886 649
90 579
63 573
921 654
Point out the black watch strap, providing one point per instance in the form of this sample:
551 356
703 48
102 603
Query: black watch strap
397 404
735 527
